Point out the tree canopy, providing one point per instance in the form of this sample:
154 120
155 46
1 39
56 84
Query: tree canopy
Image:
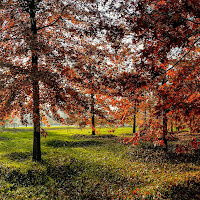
60 55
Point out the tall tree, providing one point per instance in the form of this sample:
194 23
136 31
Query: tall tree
167 32
48 49
38 76
164 34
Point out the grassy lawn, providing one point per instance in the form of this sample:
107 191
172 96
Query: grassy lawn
77 165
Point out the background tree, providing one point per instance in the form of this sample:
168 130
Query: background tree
167 32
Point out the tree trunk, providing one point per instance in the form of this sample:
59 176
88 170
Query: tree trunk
190 126
145 116
134 119
92 113
134 123
165 148
35 85
177 126
172 127
36 122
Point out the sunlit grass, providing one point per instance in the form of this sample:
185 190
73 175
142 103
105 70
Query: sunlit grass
77 165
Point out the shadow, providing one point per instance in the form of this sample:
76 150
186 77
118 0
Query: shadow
93 136
184 158
80 179
61 143
31 129
17 130
30 178
128 134
188 190
146 152
19 156
4 138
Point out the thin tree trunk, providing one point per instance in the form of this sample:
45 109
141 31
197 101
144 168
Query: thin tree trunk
145 116
35 84
177 127
92 113
165 148
134 118
145 119
149 123
172 127
190 126
134 123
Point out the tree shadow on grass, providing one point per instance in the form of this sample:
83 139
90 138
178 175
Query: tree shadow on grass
189 190
29 178
61 143
14 130
80 179
175 158
19 156
4 138
146 152
93 136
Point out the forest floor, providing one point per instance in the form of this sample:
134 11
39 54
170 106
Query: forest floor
76 165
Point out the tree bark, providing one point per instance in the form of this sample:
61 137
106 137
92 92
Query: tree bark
172 127
177 126
134 123
35 85
92 113
190 126
145 116
134 118
36 122
165 148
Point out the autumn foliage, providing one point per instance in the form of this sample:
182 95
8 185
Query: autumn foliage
137 57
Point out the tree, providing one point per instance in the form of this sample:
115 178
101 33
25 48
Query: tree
168 32
22 28
48 49
165 34
37 61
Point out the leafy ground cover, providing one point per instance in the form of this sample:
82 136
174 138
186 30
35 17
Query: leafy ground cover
77 165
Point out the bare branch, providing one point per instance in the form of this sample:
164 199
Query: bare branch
8 39
53 23
182 56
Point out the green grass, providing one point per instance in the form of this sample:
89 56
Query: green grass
77 165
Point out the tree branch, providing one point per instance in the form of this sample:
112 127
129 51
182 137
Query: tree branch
7 39
182 56
51 24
